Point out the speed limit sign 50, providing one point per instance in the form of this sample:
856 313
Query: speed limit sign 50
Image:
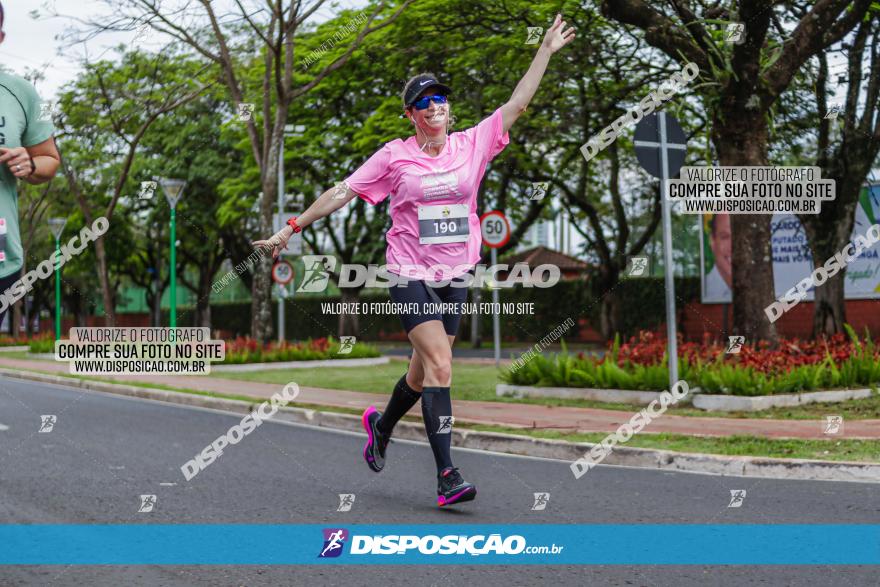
282 272
495 229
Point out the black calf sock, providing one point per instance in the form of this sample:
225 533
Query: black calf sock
402 399
437 413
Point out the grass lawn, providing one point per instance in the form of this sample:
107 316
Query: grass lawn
826 450
477 382
470 381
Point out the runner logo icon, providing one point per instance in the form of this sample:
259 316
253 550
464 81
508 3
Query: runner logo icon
47 423
47 111
318 269
148 502
638 266
833 424
735 344
737 496
833 111
445 425
533 35
245 112
541 500
346 344
147 190
346 500
334 540
736 33
539 190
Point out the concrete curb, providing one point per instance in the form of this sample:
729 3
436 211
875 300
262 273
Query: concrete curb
510 443
300 364
220 368
11 349
615 396
702 401
741 403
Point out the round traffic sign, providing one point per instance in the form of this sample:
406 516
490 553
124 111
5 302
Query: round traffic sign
282 272
495 229
655 134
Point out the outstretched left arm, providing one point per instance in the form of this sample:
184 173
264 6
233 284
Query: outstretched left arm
555 39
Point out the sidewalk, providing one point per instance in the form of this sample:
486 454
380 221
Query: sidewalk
512 415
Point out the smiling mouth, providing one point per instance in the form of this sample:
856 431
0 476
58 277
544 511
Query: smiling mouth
437 116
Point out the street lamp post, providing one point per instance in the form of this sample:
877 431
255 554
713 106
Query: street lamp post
56 225
289 131
173 189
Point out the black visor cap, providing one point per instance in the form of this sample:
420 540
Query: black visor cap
419 84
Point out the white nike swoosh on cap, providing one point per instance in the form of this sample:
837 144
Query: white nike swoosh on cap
427 82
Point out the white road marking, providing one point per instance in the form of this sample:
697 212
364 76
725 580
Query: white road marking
3 427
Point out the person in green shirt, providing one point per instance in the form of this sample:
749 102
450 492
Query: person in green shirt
27 153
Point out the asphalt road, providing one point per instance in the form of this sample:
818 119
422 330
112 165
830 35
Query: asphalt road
105 451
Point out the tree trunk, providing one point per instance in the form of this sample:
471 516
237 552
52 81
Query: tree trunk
40 300
349 323
106 294
155 311
203 303
609 317
80 311
15 317
829 313
827 233
261 292
742 141
609 308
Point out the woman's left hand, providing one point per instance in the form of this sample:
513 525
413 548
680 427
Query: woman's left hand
18 161
556 37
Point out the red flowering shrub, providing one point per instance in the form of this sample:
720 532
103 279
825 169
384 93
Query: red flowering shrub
248 350
647 348
321 344
793 366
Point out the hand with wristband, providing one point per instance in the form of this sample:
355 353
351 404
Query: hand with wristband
278 241
327 203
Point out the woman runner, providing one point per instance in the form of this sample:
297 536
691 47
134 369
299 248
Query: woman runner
433 178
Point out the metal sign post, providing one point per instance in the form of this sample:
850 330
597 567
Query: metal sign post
282 274
495 229
661 146
173 189
56 225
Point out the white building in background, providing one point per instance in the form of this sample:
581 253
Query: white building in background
557 234
539 234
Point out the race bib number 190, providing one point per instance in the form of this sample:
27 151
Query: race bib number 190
444 224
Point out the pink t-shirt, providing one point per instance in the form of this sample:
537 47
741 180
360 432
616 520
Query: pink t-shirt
437 184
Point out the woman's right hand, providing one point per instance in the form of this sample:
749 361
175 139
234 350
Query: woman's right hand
278 241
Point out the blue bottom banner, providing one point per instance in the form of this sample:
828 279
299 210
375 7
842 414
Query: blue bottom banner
530 544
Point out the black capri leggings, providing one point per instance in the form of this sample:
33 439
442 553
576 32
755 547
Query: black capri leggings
422 303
